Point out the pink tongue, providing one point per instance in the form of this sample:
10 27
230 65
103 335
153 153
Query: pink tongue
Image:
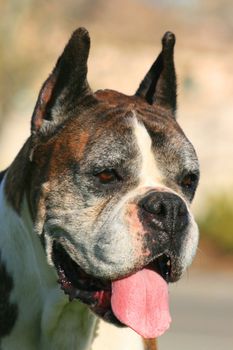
140 301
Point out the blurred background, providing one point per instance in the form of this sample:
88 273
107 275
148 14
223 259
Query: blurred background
126 38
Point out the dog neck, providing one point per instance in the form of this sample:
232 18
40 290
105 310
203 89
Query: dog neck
43 316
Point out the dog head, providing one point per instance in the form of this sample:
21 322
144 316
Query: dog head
113 175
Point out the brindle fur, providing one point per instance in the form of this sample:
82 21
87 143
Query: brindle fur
76 133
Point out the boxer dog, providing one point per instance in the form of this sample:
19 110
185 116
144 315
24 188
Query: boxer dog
95 209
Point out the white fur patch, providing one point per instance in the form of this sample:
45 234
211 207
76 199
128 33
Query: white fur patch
46 319
150 175
190 243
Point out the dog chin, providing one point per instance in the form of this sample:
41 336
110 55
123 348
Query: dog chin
97 293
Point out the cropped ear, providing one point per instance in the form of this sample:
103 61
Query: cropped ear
66 86
159 84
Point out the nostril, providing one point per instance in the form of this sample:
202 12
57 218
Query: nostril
167 209
155 206
160 210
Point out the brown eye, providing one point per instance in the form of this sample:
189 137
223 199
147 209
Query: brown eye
189 181
108 175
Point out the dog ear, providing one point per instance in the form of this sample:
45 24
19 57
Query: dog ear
66 86
159 84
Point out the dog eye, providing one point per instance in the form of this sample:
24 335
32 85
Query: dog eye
189 181
107 176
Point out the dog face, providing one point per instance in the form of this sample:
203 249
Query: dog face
113 176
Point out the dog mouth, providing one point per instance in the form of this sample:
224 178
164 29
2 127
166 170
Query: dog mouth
105 297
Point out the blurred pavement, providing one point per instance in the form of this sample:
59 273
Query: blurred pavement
202 311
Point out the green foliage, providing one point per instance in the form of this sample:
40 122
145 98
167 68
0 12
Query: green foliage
217 221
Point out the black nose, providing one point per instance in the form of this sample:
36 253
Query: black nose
168 210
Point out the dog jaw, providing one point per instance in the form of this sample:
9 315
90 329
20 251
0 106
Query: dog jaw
76 135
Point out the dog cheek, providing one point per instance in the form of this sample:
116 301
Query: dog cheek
113 246
41 209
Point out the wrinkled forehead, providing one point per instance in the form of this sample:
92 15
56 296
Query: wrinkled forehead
159 122
112 139
124 132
